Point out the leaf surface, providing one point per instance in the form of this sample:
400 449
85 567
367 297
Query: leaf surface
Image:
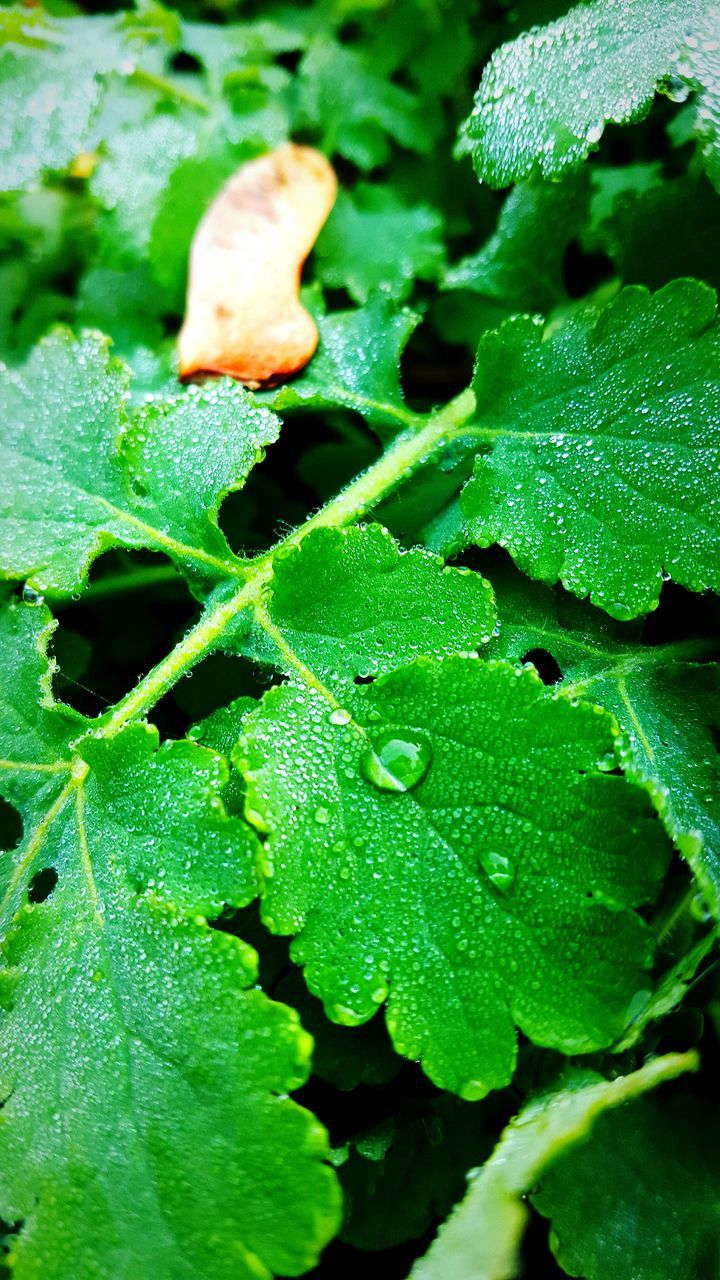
357 367
54 73
356 108
606 447
520 265
71 487
482 1237
375 241
654 1162
350 602
697 64
462 775
139 1073
544 99
665 700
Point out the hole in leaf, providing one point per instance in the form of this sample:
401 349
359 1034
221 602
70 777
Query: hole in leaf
681 615
11 826
432 371
488 561
338 299
216 682
289 59
546 666
583 271
313 457
135 609
364 679
183 61
42 884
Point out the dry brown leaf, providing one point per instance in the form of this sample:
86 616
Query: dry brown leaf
243 315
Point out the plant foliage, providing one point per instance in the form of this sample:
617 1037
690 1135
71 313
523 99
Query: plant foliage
431 839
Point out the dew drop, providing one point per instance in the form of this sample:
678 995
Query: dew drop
340 716
395 762
498 869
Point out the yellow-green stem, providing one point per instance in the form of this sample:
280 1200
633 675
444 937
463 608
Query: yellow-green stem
361 495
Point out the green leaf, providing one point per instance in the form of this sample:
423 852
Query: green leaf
482 1237
605 435
521 266
343 1056
229 48
220 731
670 991
350 602
654 1163
55 74
140 1070
124 301
399 1177
51 94
666 701
658 230
374 241
159 177
71 487
45 237
697 65
545 99
127 304
468 776
610 185
355 108
133 177
357 367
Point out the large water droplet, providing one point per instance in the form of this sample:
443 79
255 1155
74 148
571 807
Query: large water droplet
498 869
396 762
339 715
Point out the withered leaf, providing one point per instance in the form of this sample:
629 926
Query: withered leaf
243 315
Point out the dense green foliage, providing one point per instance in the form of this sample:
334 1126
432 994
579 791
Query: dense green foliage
431 839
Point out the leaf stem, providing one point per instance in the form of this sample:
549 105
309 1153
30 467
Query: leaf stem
169 89
396 464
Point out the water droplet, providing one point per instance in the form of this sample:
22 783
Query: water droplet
396 762
31 597
498 869
340 716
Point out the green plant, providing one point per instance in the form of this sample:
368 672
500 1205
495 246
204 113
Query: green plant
454 715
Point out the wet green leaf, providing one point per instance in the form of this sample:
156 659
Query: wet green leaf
79 477
140 1070
605 436
482 1236
545 99
391 892
656 1162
